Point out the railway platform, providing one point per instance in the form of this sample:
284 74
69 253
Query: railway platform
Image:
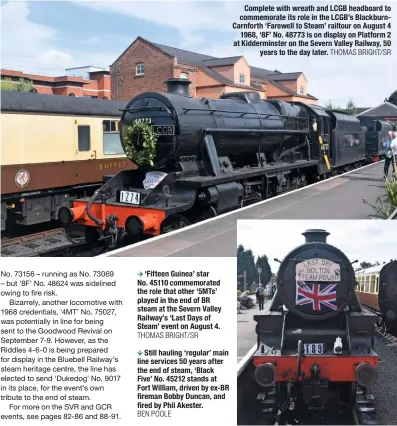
340 197
246 336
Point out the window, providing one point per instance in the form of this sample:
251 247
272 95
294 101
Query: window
367 284
111 138
372 287
242 78
72 94
33 90
84 138
184 75
105 98
140 69
302 90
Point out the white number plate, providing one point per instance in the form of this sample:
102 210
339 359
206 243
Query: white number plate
130 197
313 348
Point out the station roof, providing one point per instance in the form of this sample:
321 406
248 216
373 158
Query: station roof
25 102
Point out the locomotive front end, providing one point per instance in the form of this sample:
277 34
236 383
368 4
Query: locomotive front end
137 203
315 343
157 115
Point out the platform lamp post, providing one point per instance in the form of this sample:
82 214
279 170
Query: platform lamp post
259 274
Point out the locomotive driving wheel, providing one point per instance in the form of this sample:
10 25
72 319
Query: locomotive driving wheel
173 223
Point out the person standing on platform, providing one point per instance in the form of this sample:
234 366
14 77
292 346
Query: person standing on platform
388 158
393 148
260 296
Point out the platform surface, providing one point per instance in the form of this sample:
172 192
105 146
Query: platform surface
246 336
336 198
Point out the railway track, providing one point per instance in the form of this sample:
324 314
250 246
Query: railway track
49 243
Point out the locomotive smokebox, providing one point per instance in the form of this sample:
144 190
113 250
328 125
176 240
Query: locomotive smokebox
316 236
178 86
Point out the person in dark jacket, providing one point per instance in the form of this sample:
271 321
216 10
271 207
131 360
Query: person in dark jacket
260 295
389 154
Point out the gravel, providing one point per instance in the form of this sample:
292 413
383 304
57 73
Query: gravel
385 390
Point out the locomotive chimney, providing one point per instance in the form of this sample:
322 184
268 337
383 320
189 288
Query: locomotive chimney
316 236
178 86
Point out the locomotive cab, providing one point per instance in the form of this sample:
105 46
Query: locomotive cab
315 341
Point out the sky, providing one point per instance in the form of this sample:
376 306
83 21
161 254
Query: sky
45 37
362 240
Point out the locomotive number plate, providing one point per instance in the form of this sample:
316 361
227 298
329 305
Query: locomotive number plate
313 348
130 197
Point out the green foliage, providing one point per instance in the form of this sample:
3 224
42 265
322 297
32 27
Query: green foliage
239 293
22 85
350 107
393 98
246 263
266 272
141 135
386 204
7 84
366 265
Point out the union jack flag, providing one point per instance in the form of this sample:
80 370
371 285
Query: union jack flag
307 293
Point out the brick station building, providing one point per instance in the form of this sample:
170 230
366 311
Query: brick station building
144 66
85 81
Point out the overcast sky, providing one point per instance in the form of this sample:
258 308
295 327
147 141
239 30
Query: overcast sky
365 240
47 37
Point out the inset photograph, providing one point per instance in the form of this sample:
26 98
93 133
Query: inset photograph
317 322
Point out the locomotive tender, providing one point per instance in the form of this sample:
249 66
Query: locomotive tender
315 342
214 156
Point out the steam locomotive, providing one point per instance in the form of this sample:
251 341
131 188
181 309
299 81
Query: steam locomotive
214 156
315 342
377 290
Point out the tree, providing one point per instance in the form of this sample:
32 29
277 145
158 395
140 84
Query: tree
7 84
22 85
246 263
351 107
266 272
366 265
392 98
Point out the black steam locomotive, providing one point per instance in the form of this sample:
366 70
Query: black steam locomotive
315 342
214 156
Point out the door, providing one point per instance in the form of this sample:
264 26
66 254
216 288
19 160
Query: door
83 140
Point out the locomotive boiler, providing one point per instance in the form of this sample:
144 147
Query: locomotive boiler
315 342
239 128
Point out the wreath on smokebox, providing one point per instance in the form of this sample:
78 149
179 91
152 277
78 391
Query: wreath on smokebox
146 139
